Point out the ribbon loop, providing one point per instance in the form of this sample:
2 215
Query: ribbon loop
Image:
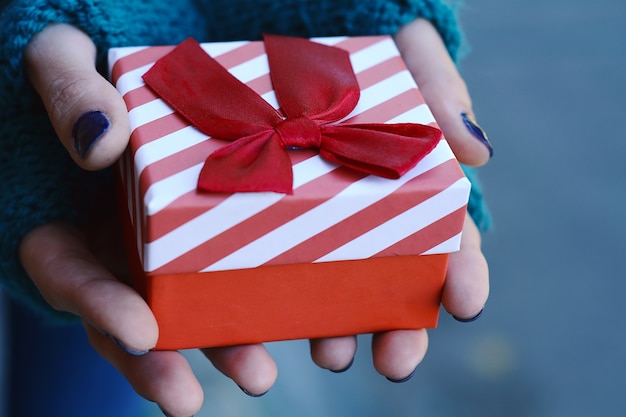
314 84
311 79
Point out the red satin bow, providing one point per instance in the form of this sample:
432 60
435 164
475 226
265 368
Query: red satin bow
314 84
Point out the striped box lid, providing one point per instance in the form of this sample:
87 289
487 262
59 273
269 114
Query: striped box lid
334 213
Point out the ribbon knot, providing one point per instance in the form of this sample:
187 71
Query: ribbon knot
299 132
315 85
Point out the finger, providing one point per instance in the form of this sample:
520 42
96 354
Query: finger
249 366
71 279
444 90
397 353
335 354
88 114
161 376
467 282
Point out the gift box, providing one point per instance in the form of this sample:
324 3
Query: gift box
342 252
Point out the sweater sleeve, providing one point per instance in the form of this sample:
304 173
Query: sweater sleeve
243 19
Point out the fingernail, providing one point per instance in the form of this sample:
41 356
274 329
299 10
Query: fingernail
400 381
477 131
344 369
165 413
125 348
471 319
88 129
249 394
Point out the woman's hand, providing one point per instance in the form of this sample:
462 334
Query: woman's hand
81 271
397 353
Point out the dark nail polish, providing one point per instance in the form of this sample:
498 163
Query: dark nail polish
88 129
249 394
471 319
476 130
405 379
126 349
344 369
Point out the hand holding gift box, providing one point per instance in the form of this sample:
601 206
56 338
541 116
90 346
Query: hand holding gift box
344 253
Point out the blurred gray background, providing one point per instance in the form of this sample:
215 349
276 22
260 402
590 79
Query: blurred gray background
548 83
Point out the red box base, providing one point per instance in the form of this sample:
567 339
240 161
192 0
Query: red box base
295 301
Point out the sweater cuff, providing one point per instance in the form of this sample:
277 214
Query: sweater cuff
442 16
477 206
107 22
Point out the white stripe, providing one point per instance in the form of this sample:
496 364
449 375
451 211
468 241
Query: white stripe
219 48
167 145
115 54
451 245
132 80
310 169
270 97
250 70
403 225
147 113
420 114
381 92
330 40
373 55
162 193
354 198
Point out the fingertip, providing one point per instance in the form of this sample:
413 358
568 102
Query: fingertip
163 377
466 289
117 311
250 366
170 382
477 132
335 354
396 354
88 114
469 142
166 378
99 130
467 138
141 337
469 319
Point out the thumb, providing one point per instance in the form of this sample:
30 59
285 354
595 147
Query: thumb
87 113
444 90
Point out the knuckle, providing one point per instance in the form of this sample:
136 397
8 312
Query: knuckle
64 94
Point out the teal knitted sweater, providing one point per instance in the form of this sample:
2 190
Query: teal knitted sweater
38 181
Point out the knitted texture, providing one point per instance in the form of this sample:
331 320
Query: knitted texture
477 206
229 21
40 183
